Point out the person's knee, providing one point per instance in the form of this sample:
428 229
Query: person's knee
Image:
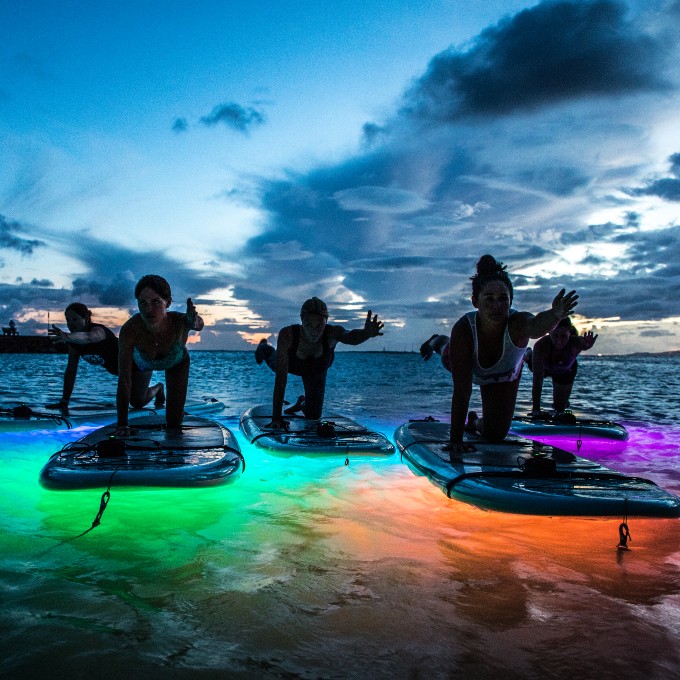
494 432
138 402
495 436
313 411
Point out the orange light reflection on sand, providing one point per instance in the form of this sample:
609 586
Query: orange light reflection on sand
411 519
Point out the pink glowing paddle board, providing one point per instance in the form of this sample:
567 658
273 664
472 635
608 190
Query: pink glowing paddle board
518 475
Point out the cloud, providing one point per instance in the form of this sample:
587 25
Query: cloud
379 199
521 143
115 290
108 276
510 146
180 125
235 116
10 241
667 188
675 164
550 53
656 333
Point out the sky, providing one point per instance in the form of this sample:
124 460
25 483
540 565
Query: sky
257 154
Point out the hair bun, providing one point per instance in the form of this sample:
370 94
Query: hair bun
488 265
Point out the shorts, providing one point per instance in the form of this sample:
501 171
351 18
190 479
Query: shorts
446 357
563 377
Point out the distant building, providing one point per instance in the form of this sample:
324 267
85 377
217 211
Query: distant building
11 329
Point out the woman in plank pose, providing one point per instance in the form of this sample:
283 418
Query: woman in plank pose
155 340
554 356
308 350
97 345
487 347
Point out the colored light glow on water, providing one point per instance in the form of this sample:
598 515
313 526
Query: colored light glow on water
314 568
364 506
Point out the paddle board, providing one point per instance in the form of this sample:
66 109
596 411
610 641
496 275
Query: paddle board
202 453
567 425
330 435
21 417
522 476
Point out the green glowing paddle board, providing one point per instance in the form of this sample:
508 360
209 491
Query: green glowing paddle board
202 453
330 435
521 476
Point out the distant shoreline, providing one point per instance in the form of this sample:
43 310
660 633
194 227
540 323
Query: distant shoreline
31 344
668 353
43 344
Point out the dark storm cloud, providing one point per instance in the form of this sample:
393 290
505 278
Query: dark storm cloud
115 290
112 272
109 275
550 53
235 116
10 240
27 293
309 208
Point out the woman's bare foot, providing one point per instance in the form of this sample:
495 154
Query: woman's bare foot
159 401
297 406
426 350
471 424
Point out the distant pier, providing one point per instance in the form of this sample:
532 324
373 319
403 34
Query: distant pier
31 344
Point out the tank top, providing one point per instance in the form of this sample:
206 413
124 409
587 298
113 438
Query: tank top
103 353
507 368
321 364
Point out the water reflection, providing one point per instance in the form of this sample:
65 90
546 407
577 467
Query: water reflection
310 568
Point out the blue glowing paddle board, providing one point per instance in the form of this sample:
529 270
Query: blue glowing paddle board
22 417
498 477
202 453
569 426
330 435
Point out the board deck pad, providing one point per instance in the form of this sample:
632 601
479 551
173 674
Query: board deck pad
201 453
496 476
526 426
302 435
39 417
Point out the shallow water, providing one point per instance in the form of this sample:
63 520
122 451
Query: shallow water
315 569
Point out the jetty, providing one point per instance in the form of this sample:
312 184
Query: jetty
31 344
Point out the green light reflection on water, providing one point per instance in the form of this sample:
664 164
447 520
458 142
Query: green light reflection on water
278 515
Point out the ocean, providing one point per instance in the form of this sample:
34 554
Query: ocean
315 569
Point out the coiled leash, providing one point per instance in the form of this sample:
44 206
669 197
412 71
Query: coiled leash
103 502
624 532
